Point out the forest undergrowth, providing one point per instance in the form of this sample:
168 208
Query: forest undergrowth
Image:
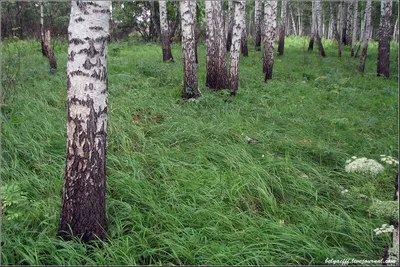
184 186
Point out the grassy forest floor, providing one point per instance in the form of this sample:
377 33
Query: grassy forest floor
183 184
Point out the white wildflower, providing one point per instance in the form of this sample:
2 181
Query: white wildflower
345 191
353 157
384 229
364 165
389 160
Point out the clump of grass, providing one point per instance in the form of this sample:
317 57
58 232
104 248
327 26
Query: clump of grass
184 186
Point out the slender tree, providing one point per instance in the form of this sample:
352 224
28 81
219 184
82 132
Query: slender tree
83 212
269 40
354 27
49 52
282 29
349 22
367 34
243 40
384 38
293 21
318 27
344 22
42 28
335 29
257 23
362 32
190 86
235 48
165 41
396 30
222 76
230 26
311 43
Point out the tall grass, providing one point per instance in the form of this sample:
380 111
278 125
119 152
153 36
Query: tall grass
183 184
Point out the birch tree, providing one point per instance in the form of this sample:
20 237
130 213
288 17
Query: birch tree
311 43
269 39
384 39
257 23
235 48
318 28
354 36
367 34
282 29
243 40
83 212
335 29
190 86
362 32
42 28
349 22
216 77
230 26
165 41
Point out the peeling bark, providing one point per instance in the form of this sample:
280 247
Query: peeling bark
83 212
384 39
190 87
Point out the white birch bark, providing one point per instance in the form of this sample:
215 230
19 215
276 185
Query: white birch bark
190 87
367 34
235 47
42 28
270 7
384 39
83 207
257 23
354 27
395 30
166 47
282 29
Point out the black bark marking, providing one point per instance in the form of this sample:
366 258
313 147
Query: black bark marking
78 73
101 11
96 28
88 64
76 41
71 56
80 19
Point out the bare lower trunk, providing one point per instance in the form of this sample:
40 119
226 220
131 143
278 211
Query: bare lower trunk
190 86
83 211
311 43
354 36
384 39
230 26
319 27
49 52
165 41
235 48
257 23
293 21
362 33
243 39
42 29
282 29
368 10
335 31
269 40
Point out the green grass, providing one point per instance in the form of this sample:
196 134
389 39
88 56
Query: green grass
185 187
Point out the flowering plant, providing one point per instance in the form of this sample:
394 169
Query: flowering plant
363 165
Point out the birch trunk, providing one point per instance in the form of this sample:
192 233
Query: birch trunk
344 22
311 44
384 39
368 10
235 48
190 86
282 29
230 26
318 29
257 23
49 52
243 39
349 21
269 40
42 28
362 32
212 50
300 31
335 30
83 211
165 41
293 21
395 31
354 37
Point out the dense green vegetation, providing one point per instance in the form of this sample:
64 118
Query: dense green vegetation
184 185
